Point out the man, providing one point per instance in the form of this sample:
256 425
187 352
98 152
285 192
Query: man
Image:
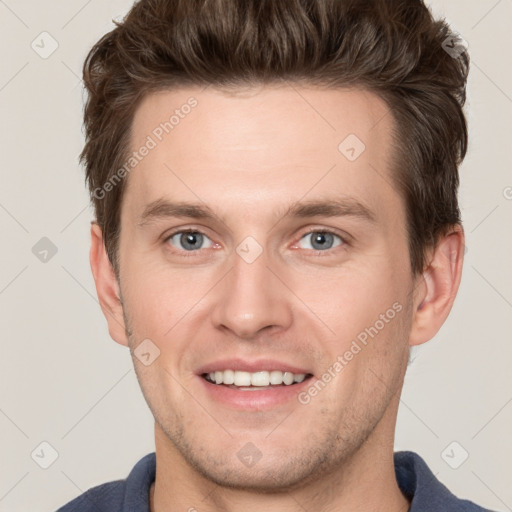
275 188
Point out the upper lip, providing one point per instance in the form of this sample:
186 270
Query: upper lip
250 366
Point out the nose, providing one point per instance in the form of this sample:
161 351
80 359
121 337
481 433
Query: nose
252 298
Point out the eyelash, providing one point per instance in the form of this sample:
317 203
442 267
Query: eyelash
327 252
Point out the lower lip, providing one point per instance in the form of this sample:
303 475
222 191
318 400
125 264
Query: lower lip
254 399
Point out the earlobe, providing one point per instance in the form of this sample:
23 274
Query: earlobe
437 287
107 286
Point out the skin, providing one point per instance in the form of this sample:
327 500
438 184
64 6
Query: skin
248 155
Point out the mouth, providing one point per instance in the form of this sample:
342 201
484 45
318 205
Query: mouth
255 381
253 385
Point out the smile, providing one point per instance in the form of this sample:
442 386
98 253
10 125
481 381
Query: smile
260 379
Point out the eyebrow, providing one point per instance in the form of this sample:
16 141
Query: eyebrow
344 207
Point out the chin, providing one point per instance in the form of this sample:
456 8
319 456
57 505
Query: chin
267 479
278 469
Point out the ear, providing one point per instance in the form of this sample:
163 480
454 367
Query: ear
436 288
107 286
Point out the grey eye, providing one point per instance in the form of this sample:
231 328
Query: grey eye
321 240
188 240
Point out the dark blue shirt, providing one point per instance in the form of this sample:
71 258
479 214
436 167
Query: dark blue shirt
416 481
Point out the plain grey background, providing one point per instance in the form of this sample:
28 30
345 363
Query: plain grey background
66 384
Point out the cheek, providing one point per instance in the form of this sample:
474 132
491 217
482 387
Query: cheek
356 298
368 313
157 297
367 358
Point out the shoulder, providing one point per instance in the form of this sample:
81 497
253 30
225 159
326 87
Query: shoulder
101 498
129 494
426 492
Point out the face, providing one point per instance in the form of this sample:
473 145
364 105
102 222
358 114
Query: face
262 241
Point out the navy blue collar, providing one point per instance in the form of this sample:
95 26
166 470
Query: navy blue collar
414 478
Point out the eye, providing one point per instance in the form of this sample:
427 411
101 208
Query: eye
188 240
321 240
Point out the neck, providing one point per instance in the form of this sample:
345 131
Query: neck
365 481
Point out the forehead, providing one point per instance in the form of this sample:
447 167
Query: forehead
261 146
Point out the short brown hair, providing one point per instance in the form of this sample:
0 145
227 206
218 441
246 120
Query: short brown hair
393 48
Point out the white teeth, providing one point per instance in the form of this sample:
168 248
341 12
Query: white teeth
256 379
242 378
276 377
229 377
288 378
260 379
